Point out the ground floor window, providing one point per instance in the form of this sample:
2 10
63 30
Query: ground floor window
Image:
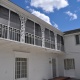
20 68
69 64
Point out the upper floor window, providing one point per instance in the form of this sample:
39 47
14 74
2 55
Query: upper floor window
38 35
60 42
29 32
4 15
49 39
47 34
29 26
15 20
15 26
77 39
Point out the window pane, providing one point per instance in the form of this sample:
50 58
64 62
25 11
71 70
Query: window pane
69 64
77 39
47 36
38 30
4 15
29 26
20 68
15 20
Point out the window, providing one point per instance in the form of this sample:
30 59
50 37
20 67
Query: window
20 68
4 15
69 64
29 32
38 35
60 42
77 39
52 39
47 38
15 20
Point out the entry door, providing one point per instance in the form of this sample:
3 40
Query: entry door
54 67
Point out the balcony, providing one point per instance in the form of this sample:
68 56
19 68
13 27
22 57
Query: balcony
17 28
15 34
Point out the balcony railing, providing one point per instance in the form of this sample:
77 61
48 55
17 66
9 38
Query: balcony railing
14 34
60 46
29 38
3 31
49 44
38 40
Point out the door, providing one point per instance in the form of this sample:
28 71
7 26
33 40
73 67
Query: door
54 67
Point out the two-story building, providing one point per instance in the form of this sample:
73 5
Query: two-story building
72 53
31 49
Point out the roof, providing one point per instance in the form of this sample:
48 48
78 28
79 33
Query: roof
72 31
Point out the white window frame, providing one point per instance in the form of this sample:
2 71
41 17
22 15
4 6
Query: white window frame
18 62
19 54
79 39
69 64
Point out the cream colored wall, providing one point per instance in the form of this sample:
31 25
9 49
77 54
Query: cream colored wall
72 51
39 67
6 64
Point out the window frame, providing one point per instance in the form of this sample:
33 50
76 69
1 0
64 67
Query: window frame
76 39
21 61
69 63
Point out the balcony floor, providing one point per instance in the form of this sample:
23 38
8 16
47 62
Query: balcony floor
25 47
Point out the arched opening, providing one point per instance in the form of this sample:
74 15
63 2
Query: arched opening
15 26
49 39
29 32
38 35
4 17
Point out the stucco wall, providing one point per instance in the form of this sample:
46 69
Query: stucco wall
72 51
39 67
70 44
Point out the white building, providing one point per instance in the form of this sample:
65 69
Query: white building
72 52
31 49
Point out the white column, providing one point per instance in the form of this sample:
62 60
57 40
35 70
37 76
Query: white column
55 41
34 33
43 36
23 21
8 26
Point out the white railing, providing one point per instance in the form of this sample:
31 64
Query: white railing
49 44
38 40
60 46
14 34
29 38
3 31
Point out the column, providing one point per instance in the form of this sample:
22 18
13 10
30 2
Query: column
23 21
8 26
43 36
55 41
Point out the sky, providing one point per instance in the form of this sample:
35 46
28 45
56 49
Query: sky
62 14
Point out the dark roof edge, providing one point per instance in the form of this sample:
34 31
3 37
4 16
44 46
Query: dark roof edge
71 31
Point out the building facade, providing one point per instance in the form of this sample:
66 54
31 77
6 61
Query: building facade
31 49
72 50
